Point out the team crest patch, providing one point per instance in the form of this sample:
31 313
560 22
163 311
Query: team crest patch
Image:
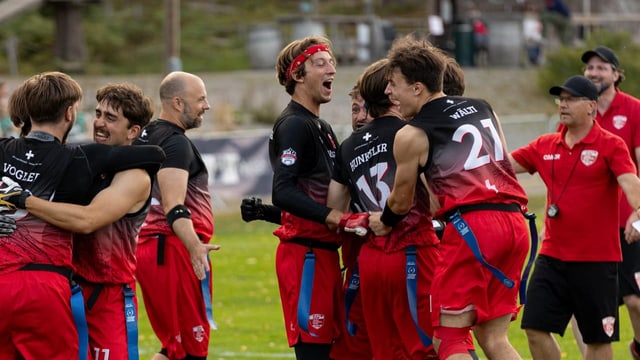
619 121
316 321
588 157
198 333
288 157
608 325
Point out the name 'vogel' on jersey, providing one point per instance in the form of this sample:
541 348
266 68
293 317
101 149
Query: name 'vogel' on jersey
17 174
364 157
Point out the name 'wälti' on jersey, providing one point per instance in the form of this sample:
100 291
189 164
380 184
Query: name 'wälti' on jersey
462 112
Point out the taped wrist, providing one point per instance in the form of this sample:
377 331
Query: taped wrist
390 218
178 211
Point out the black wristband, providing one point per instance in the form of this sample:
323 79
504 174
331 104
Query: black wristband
22 199
178 211
390 218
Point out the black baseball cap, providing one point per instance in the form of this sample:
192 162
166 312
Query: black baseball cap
603 53
577 86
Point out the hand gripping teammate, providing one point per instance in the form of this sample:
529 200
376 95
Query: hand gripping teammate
38 252
477 189
107 228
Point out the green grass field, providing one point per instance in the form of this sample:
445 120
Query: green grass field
247 306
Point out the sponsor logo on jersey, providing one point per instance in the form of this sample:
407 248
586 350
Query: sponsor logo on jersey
608 325
198 333
288 157
588 157
462 112
316 321
619 121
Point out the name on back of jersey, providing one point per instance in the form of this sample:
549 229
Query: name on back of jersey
364 157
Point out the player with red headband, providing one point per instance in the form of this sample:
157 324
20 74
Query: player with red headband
302 151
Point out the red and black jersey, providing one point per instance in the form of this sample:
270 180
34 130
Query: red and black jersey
365 163
468 162
302 151
107 256
56 172
180 153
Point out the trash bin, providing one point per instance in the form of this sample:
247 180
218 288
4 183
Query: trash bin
263 45
464 44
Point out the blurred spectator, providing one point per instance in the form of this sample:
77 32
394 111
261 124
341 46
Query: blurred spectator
557 14
480 38
6 127
532 31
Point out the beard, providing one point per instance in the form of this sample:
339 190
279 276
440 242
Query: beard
604 87
187 119
66 133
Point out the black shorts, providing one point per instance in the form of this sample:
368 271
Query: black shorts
588 290
629 270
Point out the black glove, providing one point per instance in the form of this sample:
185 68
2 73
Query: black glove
253 209
11 195
7 225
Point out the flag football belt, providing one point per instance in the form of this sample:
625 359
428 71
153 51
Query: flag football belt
315 244
349 297
130 315
412 291
306 284
77 304
467 234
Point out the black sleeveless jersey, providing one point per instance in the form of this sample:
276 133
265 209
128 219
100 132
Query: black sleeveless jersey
468 162
366 164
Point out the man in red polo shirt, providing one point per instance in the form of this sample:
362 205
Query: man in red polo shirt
576 269
619 113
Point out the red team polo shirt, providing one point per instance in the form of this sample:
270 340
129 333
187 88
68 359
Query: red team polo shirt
623 119
582 182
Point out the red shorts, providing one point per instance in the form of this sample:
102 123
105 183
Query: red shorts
356 347
173 298
106 321
464 284
40 325
391 328
326 299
